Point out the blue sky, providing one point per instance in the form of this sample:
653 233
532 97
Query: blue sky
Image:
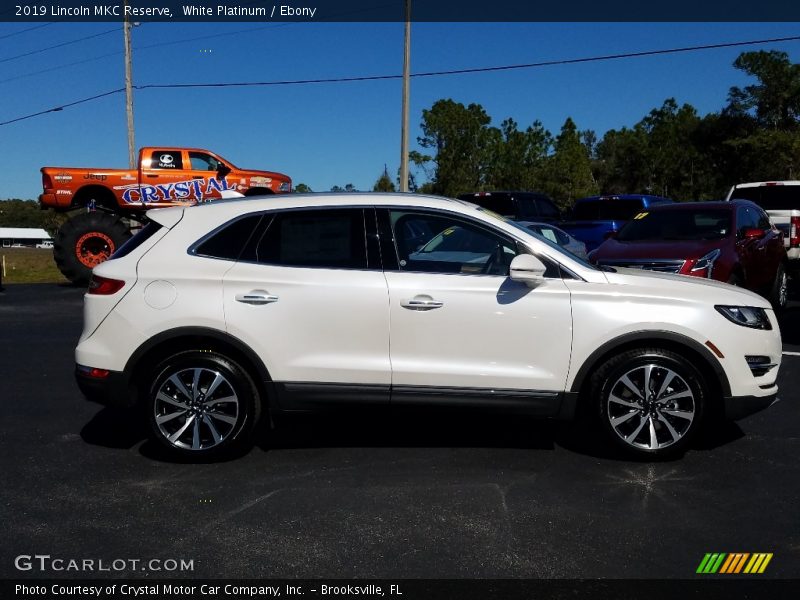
334 134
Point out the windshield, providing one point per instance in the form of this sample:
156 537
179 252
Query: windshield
542 239
684 224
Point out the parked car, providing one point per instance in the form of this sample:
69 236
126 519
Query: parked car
213 315
728 241
558 236
594 218
781 201
518 206
48 244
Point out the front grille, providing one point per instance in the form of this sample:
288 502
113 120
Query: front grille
655 264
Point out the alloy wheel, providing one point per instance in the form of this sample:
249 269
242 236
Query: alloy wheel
651 407
196 408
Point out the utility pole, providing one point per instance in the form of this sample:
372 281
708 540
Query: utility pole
126 30
406 86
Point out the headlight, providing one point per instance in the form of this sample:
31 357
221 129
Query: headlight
706 262
285 186
747 316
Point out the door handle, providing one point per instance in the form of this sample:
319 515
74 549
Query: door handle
421 303
256 298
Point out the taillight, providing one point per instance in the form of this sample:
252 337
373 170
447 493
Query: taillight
103 286
47 183
794 232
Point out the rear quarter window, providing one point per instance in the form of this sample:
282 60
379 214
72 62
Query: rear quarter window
228 241
144 234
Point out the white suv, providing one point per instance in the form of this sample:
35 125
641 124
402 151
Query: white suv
214 314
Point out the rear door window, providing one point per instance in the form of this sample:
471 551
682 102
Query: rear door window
169 160
326 238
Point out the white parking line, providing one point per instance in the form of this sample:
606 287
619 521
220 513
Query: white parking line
791 353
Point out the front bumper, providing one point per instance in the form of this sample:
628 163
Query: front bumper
111 390
738 407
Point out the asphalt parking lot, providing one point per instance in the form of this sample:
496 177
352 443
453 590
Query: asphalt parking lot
417 496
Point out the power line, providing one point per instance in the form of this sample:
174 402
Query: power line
549 63
63 106
60 67
8 35
61 45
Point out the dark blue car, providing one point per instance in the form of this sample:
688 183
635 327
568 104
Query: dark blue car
594 218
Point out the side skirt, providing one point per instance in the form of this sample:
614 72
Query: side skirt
302 396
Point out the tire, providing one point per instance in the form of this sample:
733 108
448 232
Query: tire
660 425
191 423
779 291
85 241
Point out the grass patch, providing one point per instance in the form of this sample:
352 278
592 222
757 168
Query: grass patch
30 265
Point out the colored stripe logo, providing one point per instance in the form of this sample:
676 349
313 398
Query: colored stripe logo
734 563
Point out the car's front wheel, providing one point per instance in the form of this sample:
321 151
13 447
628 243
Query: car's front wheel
779 291
649 401
202 405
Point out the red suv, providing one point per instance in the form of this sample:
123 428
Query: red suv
728 241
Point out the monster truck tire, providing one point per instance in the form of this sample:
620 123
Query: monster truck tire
85 241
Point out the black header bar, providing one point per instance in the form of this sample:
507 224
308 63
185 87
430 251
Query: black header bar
394 10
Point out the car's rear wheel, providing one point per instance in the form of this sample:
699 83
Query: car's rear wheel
649 402
202 405
779 293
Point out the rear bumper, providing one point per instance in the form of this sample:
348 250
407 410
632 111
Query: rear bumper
111 390
738 407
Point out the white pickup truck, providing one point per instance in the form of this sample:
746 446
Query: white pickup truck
781 200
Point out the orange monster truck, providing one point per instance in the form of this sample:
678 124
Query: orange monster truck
167 176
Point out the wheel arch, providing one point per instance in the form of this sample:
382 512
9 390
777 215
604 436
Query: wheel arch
170 342
690 349
101 195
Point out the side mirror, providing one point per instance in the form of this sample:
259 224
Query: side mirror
754 233
527 269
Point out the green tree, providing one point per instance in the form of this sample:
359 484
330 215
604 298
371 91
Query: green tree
620 163
775 100
384 182
569 172
768 117
348 188
461 142
671 155
302 188
26 213
517 157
